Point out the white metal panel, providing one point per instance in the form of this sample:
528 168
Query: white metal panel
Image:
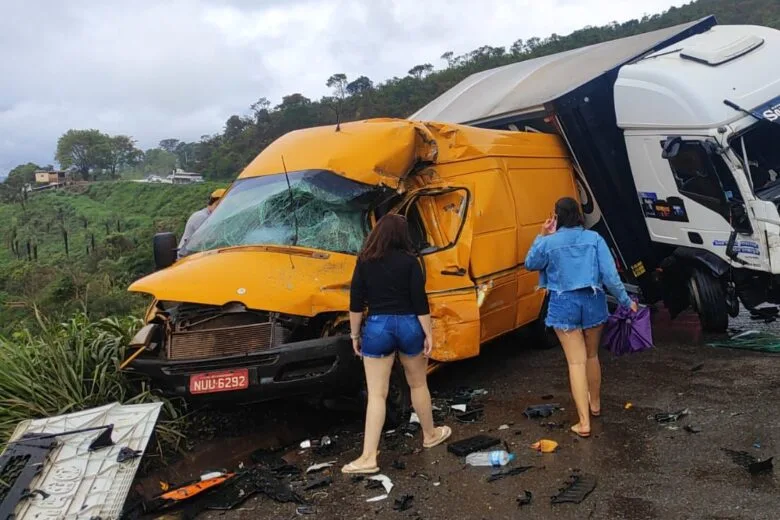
81 484
525 86
669 92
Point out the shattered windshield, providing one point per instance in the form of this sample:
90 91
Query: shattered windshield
761 145
319 209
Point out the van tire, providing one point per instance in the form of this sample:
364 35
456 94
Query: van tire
545 337
708 298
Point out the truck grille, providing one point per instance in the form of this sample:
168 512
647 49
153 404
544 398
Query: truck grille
232 341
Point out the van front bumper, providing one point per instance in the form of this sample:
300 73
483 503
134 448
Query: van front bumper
322 365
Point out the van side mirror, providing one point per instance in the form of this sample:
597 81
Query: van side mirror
671 148
164 247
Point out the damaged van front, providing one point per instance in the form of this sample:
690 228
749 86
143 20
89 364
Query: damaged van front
257 308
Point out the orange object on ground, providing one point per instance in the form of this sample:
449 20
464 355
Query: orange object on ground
545 446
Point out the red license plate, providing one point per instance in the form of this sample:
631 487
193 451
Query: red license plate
212 382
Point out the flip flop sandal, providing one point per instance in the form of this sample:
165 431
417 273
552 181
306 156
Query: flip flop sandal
446 431
582 434
351 469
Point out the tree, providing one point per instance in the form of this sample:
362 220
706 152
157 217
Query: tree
338 82
120 151
169 145
84 149
293 100
260 108
420 71
158 162
359 86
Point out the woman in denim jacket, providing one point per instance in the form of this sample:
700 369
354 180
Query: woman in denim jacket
575 264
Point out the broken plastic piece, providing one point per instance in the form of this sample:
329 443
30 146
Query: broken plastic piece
470 445
318 467
692 429
103 440
377 499
575 489
503 427
749 462
403 503
385 480
305 445
525 499
545 446
629 405
126 454
764 466
306 510
471 416
542 411
498 475
459 407
316 483
671 417
414 419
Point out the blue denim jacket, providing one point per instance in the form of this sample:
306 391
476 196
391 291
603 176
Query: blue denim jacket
575 258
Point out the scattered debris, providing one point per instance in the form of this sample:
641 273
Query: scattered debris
752 340
545 446
757 445
541 411
692 429
547 397
377 499
305 445
525 499
459 407
319 467
697 367
471 416
629 405
503 427
749 462
470 445
576 488
316 483
498 475
321 443
306 510
421 475
403 503
399 465
414 419
385 480
174 497
671 417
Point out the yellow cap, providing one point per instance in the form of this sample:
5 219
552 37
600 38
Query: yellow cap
218 193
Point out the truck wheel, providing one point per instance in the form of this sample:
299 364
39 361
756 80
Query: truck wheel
708 297
544 337
399 399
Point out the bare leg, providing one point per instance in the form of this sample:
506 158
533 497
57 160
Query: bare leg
377 381
416 376
593 367
573 343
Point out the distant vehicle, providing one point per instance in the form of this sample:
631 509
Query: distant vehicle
182 177
675 136
259 309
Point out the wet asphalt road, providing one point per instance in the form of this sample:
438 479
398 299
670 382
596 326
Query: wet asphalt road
645 470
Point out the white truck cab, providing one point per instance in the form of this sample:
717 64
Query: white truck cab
675 137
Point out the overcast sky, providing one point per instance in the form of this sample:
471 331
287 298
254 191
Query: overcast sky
155 69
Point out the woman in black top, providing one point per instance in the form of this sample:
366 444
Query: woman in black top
389 281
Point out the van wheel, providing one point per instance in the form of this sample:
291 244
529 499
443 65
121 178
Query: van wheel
545 337
708 297
399 398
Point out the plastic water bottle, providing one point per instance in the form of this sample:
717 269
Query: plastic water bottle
490 458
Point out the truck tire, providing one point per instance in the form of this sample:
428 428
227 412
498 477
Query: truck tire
708 298
544 336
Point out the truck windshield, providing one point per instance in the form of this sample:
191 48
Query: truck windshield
761 145
320 210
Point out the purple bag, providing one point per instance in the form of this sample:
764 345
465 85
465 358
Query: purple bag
627 332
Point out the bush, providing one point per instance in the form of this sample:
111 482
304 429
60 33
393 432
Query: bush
71 366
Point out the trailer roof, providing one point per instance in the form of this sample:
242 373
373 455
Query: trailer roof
525 87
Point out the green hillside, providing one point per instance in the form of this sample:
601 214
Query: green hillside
108 226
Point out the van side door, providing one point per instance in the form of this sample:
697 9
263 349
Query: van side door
441 224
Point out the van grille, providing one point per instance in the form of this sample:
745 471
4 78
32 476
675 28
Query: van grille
230 341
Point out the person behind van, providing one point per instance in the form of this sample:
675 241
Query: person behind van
198 218
575 264
389 281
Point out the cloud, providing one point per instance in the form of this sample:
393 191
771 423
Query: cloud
180 68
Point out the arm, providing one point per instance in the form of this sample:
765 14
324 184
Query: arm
609 274
357 303
189 229
536 259
420 305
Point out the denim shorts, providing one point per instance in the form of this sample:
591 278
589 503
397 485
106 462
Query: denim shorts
386 334
581 309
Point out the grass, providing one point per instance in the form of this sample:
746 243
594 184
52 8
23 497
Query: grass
70 366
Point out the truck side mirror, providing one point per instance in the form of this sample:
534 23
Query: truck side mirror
671 148
740 220
164 247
